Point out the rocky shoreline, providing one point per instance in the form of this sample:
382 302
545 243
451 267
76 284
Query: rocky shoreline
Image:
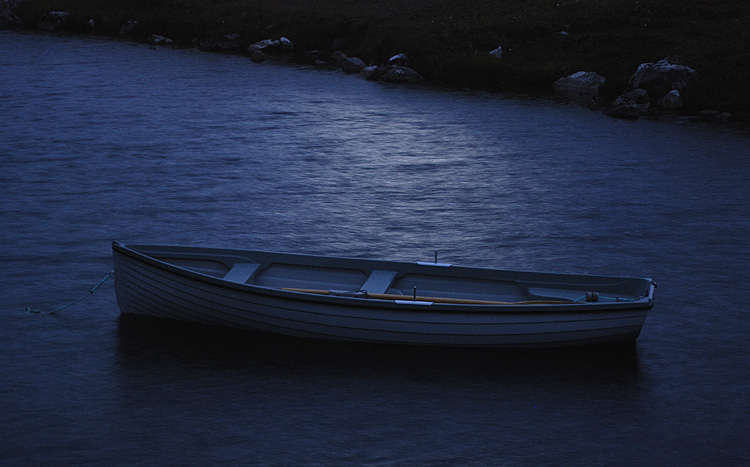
654 89
659 88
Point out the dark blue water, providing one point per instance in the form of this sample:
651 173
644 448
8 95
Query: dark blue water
102 141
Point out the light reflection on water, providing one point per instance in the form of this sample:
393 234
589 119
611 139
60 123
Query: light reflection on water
104 141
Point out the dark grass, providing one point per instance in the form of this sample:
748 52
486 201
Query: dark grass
448 40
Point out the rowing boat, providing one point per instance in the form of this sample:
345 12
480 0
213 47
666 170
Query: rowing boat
348 299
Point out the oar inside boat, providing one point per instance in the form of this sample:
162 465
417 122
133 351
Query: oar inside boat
404 298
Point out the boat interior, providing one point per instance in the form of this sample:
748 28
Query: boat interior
301 272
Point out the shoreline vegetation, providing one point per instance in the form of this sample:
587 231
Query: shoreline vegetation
520 46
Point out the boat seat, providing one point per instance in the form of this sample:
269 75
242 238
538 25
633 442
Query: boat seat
241 272
379 281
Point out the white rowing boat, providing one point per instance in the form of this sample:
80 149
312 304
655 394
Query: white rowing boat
378 301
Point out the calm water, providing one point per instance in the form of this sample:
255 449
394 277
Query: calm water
102 141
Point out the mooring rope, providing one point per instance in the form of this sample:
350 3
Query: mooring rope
110 275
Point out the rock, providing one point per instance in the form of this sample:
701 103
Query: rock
271 45
497 53
708 114
261 45
229 42
208 44
399 60
582 86
225 42
348 64
630 105
671 101
638 96
351 64
624 108
711 116
156 39
337 56
662 77
724 117
401 74
370 73
257 56
285 43
129 28
54 20
313 57
316 58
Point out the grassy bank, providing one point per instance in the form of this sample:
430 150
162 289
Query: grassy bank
448 41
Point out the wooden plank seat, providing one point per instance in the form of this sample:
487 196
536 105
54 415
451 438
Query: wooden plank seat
379 281
241 272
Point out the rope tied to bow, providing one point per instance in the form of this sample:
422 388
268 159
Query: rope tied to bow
109 275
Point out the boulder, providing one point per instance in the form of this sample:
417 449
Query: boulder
625 108
638 96
662 77
257 56
129 28
497 53
156 39
337 56
285 44
225 42
265 44
352 65
401 74
630 105
671 101
316 58
708 115
398 60
271 45
724 117
229 42
370 73
54 20
348 64
582 86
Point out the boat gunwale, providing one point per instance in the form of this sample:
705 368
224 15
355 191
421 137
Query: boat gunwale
643 303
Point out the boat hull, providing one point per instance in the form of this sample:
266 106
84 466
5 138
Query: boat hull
151 287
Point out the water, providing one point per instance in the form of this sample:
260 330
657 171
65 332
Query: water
105 141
